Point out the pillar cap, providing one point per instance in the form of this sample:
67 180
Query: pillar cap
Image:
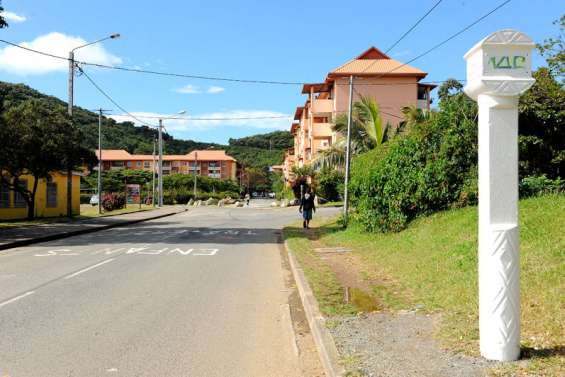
500 65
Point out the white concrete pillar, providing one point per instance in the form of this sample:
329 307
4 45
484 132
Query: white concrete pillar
498 71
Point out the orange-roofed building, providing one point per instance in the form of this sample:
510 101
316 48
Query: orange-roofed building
391 83
211 163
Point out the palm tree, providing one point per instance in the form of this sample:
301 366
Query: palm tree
367 129
332 156
414 116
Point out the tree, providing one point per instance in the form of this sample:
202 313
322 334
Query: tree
32 132
37 137
542 127
3 23
450 87
553 50
331 157
367 130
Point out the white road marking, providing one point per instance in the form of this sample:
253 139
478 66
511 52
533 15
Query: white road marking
206 252
89 268
16 298
180 251
55 252
153 252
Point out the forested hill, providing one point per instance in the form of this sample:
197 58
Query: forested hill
272 140
251 151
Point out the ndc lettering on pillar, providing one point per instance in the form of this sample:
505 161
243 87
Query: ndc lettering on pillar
498 71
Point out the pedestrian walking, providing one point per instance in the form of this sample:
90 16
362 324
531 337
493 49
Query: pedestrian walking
247 197
307 207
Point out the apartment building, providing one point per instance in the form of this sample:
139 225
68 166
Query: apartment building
391 83
211 163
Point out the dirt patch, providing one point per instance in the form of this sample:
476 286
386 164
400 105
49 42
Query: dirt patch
383 342
398 345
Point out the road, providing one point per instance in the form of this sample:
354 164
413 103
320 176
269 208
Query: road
202 293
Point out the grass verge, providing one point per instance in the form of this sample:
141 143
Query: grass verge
432 265
87 212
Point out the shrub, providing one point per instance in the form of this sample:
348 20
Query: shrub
113 201
423 171
329 184
541 185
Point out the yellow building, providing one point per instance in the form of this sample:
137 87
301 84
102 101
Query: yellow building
50 198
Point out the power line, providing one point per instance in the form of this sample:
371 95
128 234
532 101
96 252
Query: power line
413 26
448 39
226 118
112 100
200 77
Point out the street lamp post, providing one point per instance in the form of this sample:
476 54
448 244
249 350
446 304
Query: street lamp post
70 111
160 184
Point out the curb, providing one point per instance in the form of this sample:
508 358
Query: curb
58 236
322 337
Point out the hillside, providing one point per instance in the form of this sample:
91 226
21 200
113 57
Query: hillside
272 140
251 151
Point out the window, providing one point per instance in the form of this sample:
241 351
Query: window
4 196
146 164
129 164
138 164
51 195
19 201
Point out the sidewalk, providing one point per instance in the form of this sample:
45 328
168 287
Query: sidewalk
26 235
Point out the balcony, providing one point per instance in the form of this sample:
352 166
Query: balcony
322 130
322 106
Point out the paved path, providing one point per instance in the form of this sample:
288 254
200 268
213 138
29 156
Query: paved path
9 236
200 293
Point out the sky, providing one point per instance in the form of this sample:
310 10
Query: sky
292 40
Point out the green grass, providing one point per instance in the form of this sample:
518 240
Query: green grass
332 204
433 264
92 211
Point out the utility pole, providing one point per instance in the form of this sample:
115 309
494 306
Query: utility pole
348 154
70 105
70 111
153 166
160 162
99 183
195 171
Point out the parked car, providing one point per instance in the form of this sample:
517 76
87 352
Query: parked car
94 200
272 195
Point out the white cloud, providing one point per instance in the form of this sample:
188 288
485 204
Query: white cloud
188 89
208 121
18 61
11 16
215 89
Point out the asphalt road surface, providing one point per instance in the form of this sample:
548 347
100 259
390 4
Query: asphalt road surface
201 293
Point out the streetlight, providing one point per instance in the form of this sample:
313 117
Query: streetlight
161 156
70 110
72 67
